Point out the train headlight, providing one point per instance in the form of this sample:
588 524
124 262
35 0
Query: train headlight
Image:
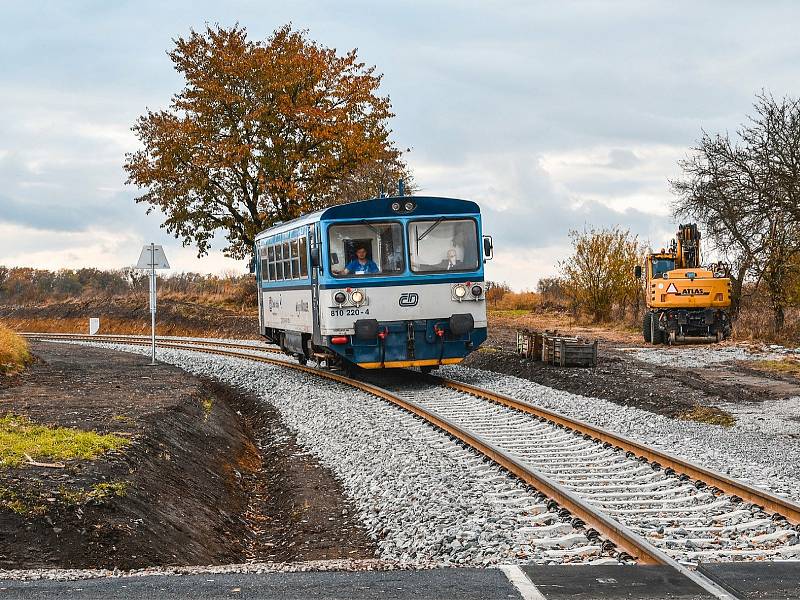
409 206
477 290
357 297
339 297
459 291
395 206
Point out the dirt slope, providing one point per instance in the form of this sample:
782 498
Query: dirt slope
208 477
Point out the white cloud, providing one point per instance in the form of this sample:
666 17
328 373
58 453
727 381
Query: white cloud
100 248
551 115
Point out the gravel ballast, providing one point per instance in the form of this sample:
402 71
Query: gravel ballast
751 450
692 357
424 498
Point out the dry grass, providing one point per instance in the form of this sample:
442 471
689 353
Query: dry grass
617 332
123 327
519 301
783 367
20 437
14 354
709 414
755 322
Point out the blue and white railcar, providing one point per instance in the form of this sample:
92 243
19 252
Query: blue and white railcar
387 282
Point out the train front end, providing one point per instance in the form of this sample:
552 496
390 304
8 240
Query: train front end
402 282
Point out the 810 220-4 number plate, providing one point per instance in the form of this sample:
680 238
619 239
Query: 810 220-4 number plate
348 312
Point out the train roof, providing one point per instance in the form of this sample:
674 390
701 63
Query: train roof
377 208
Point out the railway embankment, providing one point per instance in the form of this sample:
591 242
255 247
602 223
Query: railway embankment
139 466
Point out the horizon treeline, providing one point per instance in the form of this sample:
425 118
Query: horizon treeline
26 285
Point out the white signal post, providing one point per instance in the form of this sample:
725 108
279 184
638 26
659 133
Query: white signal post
152 258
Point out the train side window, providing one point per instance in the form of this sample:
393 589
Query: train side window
278 262
295 259
262 254
303 251
287 261
271 261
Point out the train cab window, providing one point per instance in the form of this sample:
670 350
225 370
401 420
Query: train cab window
366 249
441 245
662 265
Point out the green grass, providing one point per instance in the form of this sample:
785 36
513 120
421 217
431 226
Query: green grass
709 414
99 492
17 504
19 436
14 354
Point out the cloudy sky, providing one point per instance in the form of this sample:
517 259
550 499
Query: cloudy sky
552 115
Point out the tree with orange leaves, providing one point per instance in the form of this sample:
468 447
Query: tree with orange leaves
262 132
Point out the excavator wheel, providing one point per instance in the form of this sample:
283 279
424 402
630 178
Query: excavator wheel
656 335
646 325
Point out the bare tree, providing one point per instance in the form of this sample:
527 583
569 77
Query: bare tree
744 193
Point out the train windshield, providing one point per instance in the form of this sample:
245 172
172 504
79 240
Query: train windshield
366 248
662 265
440 245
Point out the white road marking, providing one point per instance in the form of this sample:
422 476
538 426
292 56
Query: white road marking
519 580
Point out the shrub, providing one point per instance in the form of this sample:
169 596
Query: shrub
14 354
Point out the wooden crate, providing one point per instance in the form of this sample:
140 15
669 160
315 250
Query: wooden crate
568 351
529 343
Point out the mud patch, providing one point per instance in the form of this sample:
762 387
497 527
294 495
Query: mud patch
210 477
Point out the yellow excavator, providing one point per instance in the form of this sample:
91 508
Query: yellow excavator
685 301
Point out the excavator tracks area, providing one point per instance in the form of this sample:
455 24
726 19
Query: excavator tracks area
474 469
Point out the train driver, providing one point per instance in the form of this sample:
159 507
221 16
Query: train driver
361 265
451 263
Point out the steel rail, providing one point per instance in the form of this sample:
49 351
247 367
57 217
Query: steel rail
761 498
622 537
125 338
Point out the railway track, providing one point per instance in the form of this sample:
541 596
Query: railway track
655 508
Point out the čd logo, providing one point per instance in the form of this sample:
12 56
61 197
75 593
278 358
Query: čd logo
409 299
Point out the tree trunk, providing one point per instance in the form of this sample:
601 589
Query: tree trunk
779 317
737 283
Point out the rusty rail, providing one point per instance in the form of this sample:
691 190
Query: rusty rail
766 500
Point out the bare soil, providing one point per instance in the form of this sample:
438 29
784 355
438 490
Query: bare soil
211 475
